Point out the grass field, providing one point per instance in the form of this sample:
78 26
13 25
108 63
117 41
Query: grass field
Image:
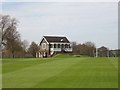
60 72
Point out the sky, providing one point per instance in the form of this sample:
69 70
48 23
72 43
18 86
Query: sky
59 0
79 21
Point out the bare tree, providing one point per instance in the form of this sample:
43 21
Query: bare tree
74 47
90 48
10 35
33 49
89 44
8 26
87 48
4 25
25 45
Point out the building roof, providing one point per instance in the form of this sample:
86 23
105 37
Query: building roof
57 39
103 48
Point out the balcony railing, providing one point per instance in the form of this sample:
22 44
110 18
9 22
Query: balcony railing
68 49
59 49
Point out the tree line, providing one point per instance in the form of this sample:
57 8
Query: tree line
11 43
87 48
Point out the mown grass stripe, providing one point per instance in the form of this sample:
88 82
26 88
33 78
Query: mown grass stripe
86 78
61 73
34 73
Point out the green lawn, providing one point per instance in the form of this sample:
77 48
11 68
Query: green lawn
60 72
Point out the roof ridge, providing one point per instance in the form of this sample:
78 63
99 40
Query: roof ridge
54 36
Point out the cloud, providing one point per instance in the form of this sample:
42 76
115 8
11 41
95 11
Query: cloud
81 22
60 0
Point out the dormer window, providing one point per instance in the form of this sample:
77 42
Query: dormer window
61 40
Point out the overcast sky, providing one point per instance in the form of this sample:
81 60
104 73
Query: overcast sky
79 21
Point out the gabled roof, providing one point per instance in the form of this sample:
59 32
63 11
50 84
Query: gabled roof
56 39
103 48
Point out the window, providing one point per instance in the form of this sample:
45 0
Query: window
54 45
51 46
62 46
69 46
58 45
66 46
43 45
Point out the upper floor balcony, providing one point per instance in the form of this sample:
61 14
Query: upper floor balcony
59 49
